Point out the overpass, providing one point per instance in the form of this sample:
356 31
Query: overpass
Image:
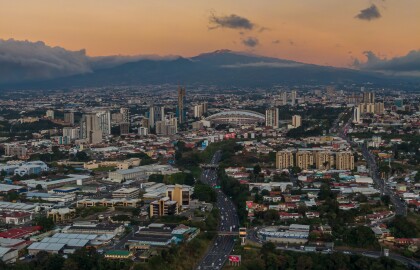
209 166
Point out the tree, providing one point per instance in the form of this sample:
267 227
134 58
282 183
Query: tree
204 193
257 169
39 187
46 223
271 215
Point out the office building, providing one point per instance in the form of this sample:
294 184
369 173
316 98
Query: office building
180 111
272 117
126 193
124 128
284 160
179 193
156 114
296 121
69 117
163 207
125 112
89 128
344 161
50 114
304 160
104 118
356 115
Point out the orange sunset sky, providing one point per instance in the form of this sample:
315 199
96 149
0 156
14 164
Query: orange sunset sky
312 31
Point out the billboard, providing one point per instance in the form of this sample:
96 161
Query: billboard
235 258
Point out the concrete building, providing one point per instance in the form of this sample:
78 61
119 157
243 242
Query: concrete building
296 121
49 114
124 128
156 114
143 131
293 97
284 160
71 133
15 150
200 110
167 127
356 115
126 193
304 159
141 172
125 112
344 161
181 113
104 118
69 118
179 193
61 214
324 160
163 207
272 117
90 129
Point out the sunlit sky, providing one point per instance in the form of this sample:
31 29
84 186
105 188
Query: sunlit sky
312 31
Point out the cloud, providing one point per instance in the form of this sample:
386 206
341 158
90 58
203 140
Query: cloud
368 14
29 61
262 29
276 41
264 64
101 62
232 21
250 42
408 64
292 43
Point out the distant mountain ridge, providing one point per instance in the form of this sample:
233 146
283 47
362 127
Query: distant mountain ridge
221 68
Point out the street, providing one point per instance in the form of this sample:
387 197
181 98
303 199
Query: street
222 246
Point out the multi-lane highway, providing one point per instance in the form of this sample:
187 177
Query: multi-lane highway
222 246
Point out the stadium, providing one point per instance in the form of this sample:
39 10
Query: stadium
236 117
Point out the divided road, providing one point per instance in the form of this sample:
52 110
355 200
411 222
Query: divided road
218 252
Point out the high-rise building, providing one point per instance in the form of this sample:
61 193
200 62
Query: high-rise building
50 114
167 127
156 113
143 131
296 121
304 160
272 117
356 115
69 117
89 128
104 118
200 109
181 113
284 160
125 115
368 97
124 128
284 98
330 91
379 108
344 161
71 133
324 160
294 96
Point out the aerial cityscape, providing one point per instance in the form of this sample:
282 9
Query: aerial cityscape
142 135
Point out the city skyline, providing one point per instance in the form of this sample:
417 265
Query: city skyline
323 32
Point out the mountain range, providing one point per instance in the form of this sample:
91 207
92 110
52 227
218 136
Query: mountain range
220 68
